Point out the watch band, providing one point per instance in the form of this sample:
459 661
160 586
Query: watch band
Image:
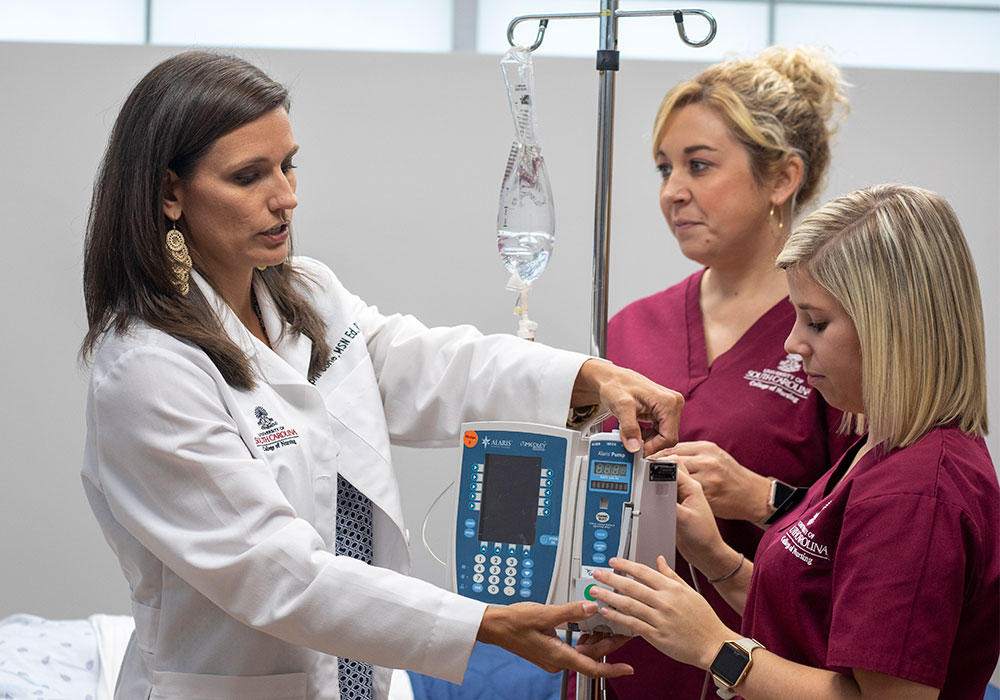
747 646
782 499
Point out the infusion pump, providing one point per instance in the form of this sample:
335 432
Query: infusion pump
540 508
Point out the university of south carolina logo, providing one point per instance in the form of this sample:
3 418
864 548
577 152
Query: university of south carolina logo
271 435
801 541
785 381
791 363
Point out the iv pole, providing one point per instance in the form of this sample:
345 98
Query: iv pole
607 66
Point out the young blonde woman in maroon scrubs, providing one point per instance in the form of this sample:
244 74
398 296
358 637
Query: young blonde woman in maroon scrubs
884 582
740 149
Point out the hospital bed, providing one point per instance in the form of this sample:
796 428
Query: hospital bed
42 659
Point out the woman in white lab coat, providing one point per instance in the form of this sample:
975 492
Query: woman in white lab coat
240 412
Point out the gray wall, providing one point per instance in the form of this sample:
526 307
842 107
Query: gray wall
399 176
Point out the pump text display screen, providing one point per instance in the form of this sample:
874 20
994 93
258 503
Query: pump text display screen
510 499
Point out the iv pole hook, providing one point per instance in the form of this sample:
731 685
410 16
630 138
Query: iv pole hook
679 19
542 24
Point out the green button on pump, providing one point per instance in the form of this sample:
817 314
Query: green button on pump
586 592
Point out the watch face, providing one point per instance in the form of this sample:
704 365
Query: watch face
781 493
730 663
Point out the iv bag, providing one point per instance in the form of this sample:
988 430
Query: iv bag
526 218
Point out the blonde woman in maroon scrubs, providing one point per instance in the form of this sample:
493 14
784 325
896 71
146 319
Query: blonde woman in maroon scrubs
741 149
884 581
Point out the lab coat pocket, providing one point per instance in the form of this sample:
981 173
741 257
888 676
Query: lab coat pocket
193 686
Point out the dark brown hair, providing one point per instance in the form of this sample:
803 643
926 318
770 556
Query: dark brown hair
170 121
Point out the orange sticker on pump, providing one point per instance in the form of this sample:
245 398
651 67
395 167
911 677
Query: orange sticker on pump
471 438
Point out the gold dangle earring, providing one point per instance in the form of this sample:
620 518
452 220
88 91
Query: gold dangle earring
180 259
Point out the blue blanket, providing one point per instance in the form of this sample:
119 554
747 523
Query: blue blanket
493 674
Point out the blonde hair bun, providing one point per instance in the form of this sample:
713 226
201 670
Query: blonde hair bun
815 77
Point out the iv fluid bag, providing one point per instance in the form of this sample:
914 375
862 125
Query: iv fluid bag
526 218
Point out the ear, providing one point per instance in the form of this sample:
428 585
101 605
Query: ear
787 180
172 196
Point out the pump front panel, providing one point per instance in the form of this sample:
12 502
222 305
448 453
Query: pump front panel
510 506
609 487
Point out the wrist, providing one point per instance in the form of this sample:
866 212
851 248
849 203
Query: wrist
722 565
587 387
712 646
494 620
763 500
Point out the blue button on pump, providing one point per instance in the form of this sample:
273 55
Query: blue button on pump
527 564
525 592
470 523
527 573
469 533
526 583
601 534
599 558
600 546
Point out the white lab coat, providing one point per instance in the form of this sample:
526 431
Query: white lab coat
221 503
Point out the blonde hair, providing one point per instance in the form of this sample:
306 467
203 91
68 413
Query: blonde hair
895 258
782 103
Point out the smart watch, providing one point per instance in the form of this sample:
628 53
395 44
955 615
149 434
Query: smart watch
782 499
731 665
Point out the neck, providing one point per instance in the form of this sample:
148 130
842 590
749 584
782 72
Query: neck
235 291
728 284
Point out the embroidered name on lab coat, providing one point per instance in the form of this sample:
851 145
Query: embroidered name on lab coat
272 435
338 350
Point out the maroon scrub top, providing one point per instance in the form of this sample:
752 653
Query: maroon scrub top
896 569
753 401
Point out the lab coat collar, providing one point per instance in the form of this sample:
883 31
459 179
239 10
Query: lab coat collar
288 361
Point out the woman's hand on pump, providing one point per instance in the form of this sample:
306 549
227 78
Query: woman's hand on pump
698 537
632 398
733 491
663 609
528 630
